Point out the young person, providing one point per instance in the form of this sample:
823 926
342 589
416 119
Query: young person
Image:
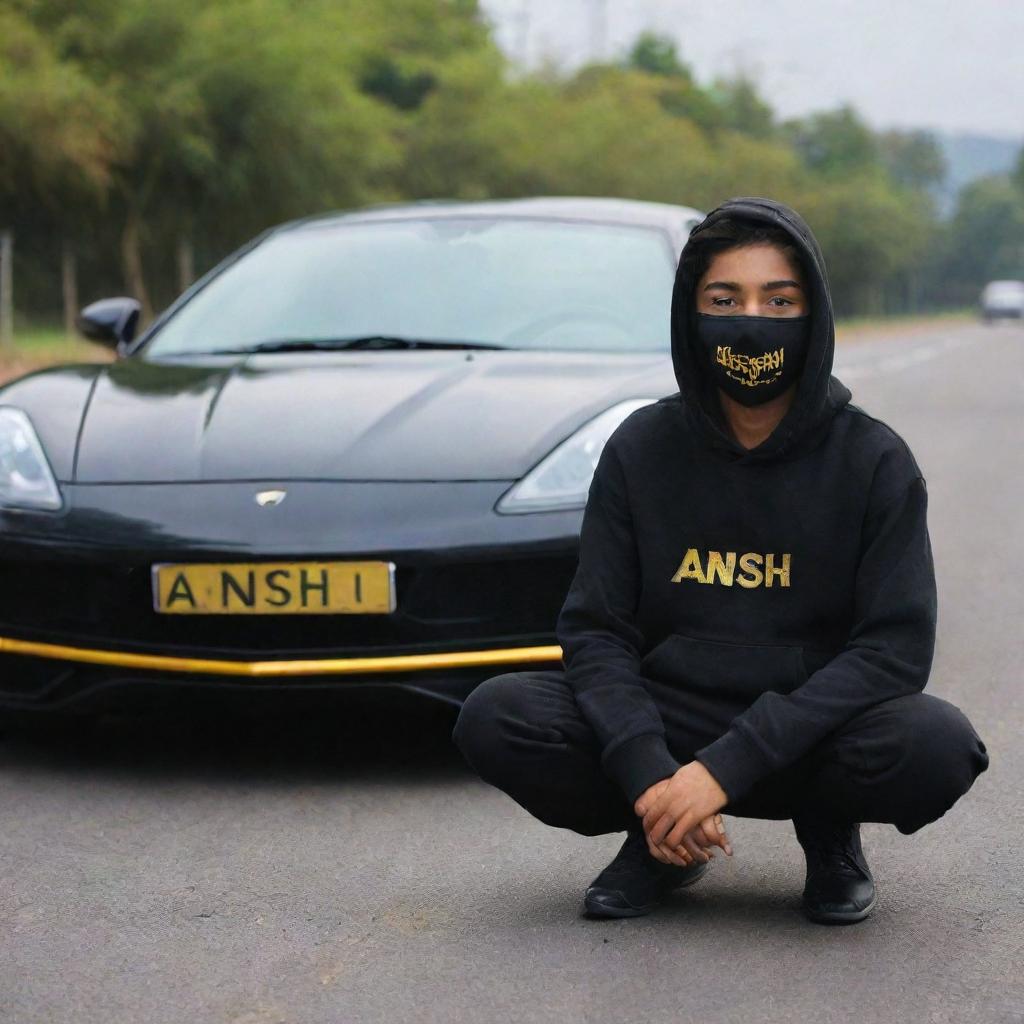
752 621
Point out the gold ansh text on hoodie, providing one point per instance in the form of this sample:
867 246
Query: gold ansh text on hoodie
757 570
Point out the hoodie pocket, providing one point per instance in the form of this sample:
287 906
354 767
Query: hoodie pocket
729 671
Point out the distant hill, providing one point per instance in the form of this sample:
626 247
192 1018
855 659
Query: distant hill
970 157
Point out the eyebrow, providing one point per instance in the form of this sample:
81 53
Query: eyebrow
732 286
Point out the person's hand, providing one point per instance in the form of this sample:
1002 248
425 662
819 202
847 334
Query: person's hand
695 845
679 818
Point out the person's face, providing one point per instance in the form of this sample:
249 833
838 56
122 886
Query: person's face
755 280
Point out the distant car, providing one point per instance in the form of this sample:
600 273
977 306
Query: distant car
1002 299
356 452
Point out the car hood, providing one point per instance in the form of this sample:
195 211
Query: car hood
405 415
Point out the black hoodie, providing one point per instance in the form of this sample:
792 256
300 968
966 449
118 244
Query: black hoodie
774 592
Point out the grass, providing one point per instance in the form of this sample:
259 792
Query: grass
47 341
36 347
850 327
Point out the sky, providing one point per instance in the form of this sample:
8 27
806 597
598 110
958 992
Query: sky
947 66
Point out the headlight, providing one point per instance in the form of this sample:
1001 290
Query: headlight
562 478
26 480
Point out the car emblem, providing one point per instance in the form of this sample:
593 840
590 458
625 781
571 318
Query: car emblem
264 498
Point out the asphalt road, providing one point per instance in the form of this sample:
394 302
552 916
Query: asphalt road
348 868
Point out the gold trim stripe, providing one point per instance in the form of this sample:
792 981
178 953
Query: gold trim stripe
307 667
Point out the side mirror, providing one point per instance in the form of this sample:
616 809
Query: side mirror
110 321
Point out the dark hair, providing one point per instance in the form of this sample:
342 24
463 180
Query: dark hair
735 233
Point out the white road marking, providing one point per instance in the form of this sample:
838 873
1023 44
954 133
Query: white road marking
885 364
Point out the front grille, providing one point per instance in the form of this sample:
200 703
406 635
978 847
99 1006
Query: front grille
440 606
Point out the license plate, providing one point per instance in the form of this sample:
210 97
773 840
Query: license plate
274 588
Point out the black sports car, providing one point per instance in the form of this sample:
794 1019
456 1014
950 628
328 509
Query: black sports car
356 452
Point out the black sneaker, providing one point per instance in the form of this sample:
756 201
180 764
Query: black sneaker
634 883
839 888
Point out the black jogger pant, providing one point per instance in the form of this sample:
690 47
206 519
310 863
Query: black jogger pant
905 761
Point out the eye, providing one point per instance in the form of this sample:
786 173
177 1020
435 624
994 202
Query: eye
719 301
783 300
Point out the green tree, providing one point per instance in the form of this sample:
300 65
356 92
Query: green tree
913 158
237 113
58 130
657 55
153 125
873 236
59 142
678 93
1017 174
741 108
835 143
985 240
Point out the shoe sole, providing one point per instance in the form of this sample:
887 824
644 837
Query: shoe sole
597 909
839 917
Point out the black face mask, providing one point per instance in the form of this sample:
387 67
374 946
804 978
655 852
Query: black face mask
753 358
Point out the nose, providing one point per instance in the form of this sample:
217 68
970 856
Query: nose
752 307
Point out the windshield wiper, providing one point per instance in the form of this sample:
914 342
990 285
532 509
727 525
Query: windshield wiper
370 341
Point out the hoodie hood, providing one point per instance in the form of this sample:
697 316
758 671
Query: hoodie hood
819 395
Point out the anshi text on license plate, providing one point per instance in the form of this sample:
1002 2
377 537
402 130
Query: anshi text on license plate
274 588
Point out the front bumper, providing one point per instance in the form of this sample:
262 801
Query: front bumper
52 676
76 615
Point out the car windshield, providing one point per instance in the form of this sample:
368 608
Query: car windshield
511 283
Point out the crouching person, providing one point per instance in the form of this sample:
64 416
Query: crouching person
751 625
